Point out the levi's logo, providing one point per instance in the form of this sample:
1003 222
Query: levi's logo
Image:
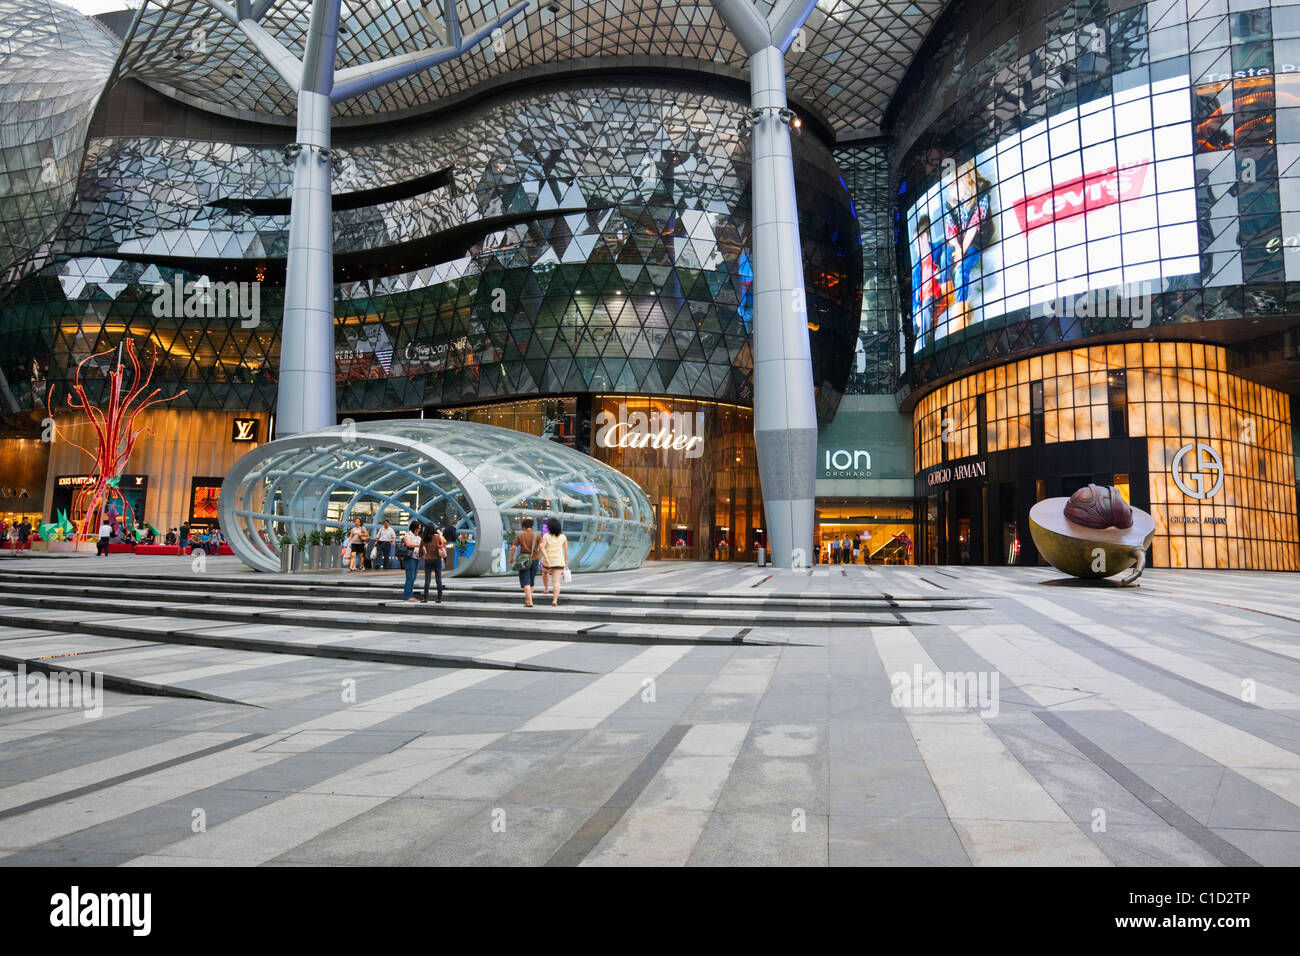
1082 195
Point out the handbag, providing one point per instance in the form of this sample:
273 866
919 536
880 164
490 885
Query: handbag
403 549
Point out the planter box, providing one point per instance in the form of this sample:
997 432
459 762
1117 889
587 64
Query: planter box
66 547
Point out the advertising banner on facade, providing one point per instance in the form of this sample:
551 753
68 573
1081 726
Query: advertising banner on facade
1100 196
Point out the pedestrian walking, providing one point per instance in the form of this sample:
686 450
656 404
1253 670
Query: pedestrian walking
385 538
528 548
434 549
408 552
555 557
357 538
105 532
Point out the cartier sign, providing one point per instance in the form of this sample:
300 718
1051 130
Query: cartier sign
675 431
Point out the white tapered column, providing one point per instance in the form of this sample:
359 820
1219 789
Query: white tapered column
785 413
305 398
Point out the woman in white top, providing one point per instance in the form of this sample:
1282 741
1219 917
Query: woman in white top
555 556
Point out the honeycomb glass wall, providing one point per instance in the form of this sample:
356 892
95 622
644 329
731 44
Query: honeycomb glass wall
585 238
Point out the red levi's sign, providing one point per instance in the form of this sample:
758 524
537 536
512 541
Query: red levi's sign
1082 195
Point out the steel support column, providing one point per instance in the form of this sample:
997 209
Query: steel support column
305 400
785 409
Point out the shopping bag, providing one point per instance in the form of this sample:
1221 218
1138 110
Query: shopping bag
566 575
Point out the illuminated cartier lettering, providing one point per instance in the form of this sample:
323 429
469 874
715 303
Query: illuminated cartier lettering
663 431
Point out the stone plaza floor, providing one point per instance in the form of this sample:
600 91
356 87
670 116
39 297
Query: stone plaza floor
684 713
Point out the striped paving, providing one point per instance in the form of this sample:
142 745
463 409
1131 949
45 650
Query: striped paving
1149 726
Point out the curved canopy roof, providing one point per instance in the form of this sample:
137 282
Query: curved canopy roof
853 52
480 478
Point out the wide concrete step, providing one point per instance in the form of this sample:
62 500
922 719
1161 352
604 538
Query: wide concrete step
379 585
545 622
136 623
456 605
81 660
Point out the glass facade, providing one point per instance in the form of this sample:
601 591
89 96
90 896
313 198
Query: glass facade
878 351
1078 147
880 532
1215 455
701 475
580 238
1063 236
53 66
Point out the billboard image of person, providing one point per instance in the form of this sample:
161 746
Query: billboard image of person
1100 196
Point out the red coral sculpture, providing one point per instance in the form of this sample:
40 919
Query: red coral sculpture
115 433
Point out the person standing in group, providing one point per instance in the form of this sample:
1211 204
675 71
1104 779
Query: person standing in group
846 550
449 536
528 547
408 552
385 537
555 557
835 551
183 539
434 548
357 539
105 532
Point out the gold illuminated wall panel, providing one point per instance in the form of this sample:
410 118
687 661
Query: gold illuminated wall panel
1178 393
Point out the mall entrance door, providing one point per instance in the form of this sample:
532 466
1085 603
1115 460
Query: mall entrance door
877 531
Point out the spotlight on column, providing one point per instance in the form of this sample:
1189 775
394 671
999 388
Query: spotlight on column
291 151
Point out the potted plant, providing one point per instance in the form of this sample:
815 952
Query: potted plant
300 543
284 546
316 541
330 539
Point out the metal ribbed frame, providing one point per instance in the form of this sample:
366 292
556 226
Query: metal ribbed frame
482 477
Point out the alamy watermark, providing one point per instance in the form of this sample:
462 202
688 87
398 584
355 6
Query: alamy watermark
1131 301
211 300
73 690
947 690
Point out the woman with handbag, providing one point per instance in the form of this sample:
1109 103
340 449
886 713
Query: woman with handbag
408 552
357 539
555 557
434 548
528 548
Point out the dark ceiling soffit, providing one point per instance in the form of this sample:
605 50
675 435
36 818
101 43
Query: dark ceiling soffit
358 199
358 266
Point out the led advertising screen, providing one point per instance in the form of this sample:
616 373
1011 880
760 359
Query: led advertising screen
1098 197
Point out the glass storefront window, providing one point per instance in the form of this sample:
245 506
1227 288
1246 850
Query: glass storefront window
876 531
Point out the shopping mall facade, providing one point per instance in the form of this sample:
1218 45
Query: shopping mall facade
1043 245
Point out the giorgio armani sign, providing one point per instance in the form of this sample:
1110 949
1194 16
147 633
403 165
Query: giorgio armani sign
962 472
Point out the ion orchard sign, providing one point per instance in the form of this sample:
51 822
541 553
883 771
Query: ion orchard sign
1206 459
675 431
843 463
